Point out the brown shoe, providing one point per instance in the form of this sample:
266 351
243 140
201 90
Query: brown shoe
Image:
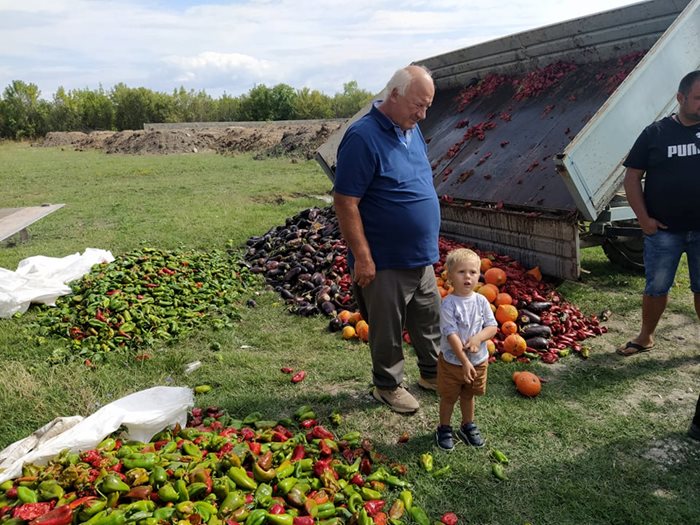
428 383
398 399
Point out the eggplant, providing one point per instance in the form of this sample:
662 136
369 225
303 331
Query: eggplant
538 343
327 307
527 317
539 306
536 330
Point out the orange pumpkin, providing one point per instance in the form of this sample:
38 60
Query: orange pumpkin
495 276
503 298
489 291
506 312
535 273
515 344
344 316
362 330
509 328
528 384
486 263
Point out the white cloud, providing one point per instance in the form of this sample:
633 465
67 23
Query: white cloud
231 46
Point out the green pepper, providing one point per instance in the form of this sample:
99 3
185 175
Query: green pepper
185 508
158 476
113 483
262 474
116 517
419 515
137 460
240 477
426 460
106 445
124 451
191 449
407 497
50 489
325 510
368 493
90 508
98 516
355 502
284 486
498 471
285 469
6 485
499 456
397 509
143 505
137 476
197 490
205 509
181 488
168 448
27 495
441 471
256 517
364 519
233 501
280 519
263 494
163 513
168 493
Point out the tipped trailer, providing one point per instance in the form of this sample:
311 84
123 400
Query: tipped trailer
527 133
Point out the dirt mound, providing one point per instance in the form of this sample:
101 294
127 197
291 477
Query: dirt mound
297 140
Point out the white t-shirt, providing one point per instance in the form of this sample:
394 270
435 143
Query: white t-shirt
464 316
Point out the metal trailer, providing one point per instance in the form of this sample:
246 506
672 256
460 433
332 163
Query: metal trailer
527 133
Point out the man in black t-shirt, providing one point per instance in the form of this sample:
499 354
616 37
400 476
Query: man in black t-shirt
667 156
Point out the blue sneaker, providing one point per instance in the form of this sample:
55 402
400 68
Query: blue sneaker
469 433
444 439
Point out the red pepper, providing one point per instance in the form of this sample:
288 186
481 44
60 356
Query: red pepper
276 509
357 479
366 466
62 515
286 370
373 506
254 447
298 453
31 511
380 518
303 520
81 501
320 432
247 433
299 376
321 466
11 493
449 518
308 423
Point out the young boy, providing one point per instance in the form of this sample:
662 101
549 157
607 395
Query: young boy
466 323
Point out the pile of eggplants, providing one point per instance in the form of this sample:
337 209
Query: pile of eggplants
217 471
145 297
304 262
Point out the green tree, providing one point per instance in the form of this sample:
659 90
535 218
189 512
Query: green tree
24 115
65 113
312 104
96 109
133 107
282 99
257 104
350 101
228 109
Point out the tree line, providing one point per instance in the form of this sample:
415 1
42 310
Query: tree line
24 114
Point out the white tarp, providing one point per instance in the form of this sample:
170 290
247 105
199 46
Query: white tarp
143 413
41 279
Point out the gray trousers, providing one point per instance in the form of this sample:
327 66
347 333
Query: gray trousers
393 300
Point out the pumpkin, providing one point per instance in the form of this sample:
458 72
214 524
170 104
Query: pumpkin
503 298
506 312
528 384
489 291
515 344
495 276
486 264
509 328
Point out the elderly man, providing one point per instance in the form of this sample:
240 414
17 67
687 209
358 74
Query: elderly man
389 216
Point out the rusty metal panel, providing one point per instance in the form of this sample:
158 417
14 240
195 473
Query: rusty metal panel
532 239
502 146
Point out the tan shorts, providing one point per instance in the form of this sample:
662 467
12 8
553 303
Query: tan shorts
451 385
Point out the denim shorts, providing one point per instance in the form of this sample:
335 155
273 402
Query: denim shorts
662 253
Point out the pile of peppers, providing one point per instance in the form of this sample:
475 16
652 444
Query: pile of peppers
146 296
217 471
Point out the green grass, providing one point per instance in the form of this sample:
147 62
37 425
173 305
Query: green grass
604 442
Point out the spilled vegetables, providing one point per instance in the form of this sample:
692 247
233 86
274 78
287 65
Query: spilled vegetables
144 297
217 470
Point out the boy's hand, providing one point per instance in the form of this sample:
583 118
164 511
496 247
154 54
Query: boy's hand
469 373
472 345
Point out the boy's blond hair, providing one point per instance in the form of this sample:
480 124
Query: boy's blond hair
460 255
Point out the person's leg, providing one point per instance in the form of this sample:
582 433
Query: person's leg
662 253
694 430
384 302
423 322
466 405
693 254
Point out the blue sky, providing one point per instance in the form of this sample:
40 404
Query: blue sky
231 46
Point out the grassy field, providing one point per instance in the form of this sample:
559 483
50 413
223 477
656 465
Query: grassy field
604 443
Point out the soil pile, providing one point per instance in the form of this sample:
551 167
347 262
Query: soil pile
297 140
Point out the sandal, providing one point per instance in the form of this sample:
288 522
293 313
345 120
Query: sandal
632 348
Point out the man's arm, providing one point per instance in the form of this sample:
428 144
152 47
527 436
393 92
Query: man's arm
350 222
635 198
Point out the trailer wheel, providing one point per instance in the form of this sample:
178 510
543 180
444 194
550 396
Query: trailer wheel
626 252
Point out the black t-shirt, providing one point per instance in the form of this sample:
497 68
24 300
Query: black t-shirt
669 153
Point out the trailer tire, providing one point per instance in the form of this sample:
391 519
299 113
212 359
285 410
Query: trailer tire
626 252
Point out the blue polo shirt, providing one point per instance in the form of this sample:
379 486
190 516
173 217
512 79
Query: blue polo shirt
398 204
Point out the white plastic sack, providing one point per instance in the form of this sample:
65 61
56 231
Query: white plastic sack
143 413
41 279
